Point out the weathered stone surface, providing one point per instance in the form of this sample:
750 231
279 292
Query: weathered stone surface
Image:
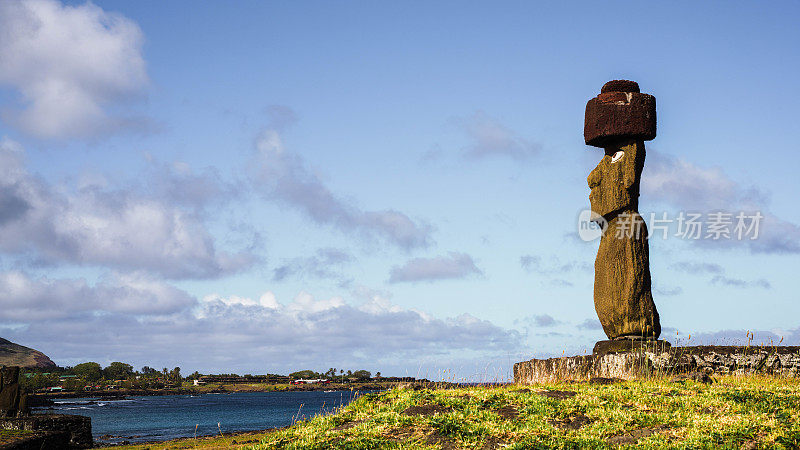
619 112
779 361
622 292
78 428
620 86
13 401
629 345
39 440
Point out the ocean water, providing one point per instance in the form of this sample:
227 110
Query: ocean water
156 418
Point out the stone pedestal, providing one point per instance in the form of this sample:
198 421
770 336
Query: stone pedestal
653 362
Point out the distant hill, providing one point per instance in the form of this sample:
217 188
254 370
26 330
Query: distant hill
12 354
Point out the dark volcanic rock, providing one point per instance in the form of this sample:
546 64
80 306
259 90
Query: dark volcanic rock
629 345
12 354
619 112
620 86
76 429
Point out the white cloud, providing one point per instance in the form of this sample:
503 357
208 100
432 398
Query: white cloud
455 265
544 320
552 269
266 300
718 273
691 188
489 138
71 65
103 227
695 188
590 324
722 280
282 175
264 336
26 299
554 266
323 264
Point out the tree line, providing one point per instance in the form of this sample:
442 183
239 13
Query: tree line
92 374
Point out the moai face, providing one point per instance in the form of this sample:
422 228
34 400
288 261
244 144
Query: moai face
613 182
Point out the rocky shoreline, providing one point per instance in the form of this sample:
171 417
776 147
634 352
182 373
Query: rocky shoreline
46 399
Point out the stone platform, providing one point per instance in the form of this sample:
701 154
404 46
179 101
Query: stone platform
659 360
52 431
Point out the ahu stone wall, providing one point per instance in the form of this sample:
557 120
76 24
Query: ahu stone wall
779 361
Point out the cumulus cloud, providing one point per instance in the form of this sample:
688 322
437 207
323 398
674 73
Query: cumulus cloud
536 264
266 336
489 138
695 189
98 226
553 268
323 264
739 283
538 321
177 183
718 275
590 324
284 176
27 299
266 300
454 265
697 267
668 291
544 320
71 65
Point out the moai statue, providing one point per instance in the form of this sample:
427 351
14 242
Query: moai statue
619 120
12 398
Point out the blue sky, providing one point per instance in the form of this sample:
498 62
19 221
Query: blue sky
270 186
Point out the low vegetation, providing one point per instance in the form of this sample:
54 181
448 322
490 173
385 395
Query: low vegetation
732 412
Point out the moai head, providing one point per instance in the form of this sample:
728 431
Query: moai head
620 112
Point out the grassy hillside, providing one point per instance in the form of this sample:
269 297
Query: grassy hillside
734 412
12 354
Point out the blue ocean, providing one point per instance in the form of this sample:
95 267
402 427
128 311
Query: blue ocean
156 418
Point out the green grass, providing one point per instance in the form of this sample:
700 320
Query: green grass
735 412
760 412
